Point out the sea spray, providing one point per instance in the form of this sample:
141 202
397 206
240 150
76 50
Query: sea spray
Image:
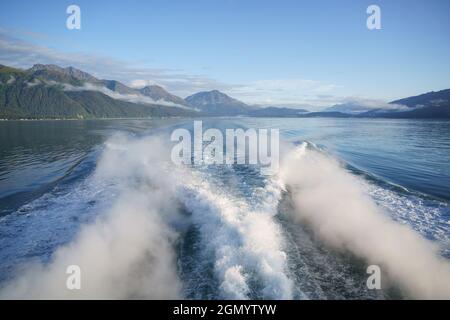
333 203
127 252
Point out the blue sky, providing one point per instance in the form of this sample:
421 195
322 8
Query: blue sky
304 53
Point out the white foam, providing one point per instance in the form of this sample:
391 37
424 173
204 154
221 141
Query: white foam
244 242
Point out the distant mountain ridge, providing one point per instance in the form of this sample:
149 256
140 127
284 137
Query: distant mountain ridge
429 99
277 112
217 103
50 91
157 93
430 105
355 108
42 92
77 77
435 104
56 73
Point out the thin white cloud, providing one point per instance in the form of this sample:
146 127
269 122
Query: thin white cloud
283 92
359 105
300 93
135 98
141 83
23 54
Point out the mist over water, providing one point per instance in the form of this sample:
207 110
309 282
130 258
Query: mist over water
127 252
339 212
140 227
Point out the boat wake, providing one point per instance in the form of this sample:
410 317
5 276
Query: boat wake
158 231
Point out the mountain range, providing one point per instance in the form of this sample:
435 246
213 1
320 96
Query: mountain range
433 105
50 91
217 103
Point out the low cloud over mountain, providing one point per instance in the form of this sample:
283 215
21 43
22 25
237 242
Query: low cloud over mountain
50 91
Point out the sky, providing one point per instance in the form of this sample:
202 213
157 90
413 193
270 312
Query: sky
267 52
